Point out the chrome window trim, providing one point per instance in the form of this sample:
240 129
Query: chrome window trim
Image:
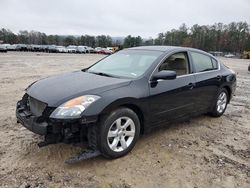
198 73
190 74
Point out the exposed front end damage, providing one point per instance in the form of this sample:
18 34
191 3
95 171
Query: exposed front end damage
35 116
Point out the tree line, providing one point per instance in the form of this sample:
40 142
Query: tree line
36 37
232 37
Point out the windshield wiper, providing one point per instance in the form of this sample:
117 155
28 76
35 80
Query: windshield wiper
104 74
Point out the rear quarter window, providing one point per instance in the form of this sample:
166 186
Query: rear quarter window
203 62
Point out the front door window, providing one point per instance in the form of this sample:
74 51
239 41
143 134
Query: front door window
177 62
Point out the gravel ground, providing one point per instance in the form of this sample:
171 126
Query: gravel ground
202 152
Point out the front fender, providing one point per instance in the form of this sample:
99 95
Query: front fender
127 95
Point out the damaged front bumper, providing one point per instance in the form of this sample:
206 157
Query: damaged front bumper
54 130
29 121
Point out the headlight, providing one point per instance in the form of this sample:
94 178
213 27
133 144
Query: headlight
74 107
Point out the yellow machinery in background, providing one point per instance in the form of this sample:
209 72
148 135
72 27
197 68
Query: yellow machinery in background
246 54
115 49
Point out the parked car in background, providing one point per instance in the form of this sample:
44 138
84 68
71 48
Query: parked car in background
81 49
105 51
110 49
72 49
3 48
52 49
12 47
44 48
22 47
61 49
98 49
9 47
113 49
34 48
6 45
229 55
90 50
112 102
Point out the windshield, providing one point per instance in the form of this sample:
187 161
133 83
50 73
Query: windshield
126 63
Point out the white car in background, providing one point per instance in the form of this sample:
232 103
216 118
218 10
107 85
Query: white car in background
72 49
11 47
230 55
61 49
110 49
82 49
8 47
85 49
90 49
3 48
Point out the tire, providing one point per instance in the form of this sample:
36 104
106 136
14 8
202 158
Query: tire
113 134
219 111
249 68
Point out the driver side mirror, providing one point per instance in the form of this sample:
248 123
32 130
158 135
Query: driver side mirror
164 75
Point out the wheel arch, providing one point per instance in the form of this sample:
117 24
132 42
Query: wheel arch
138 112
127 103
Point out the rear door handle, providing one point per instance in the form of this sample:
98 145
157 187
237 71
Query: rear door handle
191 85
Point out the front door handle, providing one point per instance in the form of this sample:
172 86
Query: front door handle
190 85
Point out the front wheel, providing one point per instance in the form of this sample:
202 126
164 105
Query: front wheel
220 103
118 133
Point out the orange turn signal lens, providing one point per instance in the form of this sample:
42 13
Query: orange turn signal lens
75 101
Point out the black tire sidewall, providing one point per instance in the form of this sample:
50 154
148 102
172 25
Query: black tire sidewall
104 126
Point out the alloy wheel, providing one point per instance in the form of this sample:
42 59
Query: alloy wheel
222 102
121 134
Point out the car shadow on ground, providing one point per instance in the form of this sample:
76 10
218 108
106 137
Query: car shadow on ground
154 134
58 153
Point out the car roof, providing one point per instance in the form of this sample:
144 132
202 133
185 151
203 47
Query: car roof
165 48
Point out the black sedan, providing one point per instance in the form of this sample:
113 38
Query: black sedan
124 95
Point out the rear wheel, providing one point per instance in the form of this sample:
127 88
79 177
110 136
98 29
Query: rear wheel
118 133
220 103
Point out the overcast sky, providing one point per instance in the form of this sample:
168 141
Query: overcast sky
117 17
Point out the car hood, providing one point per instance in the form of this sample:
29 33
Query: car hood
58 89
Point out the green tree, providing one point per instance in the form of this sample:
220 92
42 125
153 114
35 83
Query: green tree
130 41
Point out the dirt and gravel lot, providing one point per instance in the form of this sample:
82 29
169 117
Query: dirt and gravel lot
203 152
